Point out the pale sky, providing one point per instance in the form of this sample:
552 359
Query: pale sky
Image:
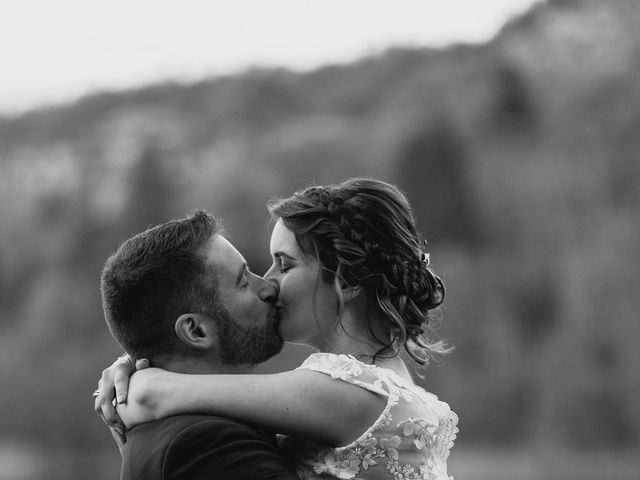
55 51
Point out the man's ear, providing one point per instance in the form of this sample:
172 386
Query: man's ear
196 330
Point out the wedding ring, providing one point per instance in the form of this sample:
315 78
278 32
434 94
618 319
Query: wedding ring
96 393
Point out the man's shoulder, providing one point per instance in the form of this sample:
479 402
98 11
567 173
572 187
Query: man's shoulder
183 445
161 435
170 427
204 430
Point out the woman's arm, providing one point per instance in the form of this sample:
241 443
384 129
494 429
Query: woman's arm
298 403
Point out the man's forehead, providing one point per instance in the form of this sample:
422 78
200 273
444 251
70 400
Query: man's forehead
225 258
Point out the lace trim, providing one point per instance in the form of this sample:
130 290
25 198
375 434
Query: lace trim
323 361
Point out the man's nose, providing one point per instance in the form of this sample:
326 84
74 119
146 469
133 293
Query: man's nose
267 289
269 275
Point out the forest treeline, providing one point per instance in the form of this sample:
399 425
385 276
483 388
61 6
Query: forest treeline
521 157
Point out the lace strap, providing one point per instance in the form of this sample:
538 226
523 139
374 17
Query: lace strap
348 369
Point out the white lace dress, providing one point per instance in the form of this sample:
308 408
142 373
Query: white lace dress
410 440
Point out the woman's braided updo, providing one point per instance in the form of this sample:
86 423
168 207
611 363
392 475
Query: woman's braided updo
363 233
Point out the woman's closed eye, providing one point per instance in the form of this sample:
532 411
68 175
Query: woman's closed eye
284 266
280 264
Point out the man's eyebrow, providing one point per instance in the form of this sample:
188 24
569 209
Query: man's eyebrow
243 269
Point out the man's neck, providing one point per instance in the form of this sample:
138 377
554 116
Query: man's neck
198 366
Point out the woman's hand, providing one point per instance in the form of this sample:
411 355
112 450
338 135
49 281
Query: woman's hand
113 388
153 393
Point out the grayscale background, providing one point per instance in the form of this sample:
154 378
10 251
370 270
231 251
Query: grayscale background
513 126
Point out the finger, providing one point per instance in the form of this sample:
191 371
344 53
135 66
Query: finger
119 435
123 365
117 423
106 385
142 363
108 414
101 399
96 400
97 405
121 376
127 361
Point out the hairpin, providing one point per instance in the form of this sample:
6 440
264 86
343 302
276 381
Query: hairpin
425 258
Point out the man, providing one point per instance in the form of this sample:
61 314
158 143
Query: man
182 296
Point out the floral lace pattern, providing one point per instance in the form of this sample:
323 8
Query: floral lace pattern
410 440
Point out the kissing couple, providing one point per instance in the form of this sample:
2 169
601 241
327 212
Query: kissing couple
350 278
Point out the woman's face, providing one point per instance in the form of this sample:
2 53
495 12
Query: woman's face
299 282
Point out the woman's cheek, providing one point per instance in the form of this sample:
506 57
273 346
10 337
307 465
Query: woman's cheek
290 288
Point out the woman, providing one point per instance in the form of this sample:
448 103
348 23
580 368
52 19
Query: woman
355 284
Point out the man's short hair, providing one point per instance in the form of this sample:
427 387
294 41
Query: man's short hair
156 276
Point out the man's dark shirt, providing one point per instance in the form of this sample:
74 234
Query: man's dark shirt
199 447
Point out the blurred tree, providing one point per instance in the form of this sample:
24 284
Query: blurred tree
513 109
432 167
151 192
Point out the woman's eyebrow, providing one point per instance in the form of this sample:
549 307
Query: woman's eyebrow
281 254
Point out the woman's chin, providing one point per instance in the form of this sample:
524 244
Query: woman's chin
300 341
294 341
291 338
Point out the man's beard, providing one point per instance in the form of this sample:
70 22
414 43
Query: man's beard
245 344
